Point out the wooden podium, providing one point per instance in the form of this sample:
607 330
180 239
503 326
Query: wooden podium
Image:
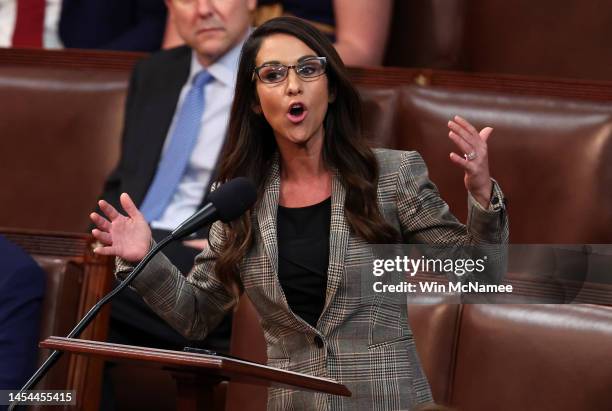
196 374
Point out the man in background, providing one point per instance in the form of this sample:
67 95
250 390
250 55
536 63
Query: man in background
176 114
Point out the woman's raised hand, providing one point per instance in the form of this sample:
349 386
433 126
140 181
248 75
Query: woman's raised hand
127 237
475 160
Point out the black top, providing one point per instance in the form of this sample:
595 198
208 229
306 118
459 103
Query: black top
303 256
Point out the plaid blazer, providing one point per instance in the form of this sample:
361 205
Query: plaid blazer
363 341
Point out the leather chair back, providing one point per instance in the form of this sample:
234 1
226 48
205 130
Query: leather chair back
64 126
533 357
551 156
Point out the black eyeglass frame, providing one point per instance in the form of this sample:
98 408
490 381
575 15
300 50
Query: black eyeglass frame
295 67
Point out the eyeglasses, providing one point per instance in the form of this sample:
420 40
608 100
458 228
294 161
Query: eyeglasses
307 69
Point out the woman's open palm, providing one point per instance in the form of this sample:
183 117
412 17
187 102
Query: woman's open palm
127 237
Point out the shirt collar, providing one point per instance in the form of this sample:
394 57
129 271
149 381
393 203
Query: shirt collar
224 69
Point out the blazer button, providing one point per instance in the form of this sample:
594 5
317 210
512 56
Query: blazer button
318 341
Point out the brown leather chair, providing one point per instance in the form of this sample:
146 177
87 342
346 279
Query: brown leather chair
550 155
511 357
61 128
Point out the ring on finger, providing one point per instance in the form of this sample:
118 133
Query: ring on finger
470 156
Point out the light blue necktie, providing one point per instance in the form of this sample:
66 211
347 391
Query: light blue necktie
176 157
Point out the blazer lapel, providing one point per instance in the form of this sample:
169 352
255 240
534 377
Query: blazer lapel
339 234
266 216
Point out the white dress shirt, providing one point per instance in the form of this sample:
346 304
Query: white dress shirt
219 93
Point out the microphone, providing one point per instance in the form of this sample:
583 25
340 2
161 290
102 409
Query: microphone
226 203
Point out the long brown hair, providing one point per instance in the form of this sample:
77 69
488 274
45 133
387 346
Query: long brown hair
250 146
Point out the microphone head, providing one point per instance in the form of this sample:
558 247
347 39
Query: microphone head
233 198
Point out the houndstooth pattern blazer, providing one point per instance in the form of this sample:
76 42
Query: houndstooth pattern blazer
361 340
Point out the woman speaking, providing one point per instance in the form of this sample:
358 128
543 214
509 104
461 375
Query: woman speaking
323 197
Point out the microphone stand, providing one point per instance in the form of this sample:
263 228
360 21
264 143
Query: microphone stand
76 331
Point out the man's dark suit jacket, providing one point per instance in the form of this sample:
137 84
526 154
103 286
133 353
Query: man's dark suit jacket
136 25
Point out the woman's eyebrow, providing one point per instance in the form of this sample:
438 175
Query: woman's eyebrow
270 62
308 56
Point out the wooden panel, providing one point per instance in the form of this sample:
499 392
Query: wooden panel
70 58
505 83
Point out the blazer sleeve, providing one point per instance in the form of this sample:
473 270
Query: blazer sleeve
192 305
426 218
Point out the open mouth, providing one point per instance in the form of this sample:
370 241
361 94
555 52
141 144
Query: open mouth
297 113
